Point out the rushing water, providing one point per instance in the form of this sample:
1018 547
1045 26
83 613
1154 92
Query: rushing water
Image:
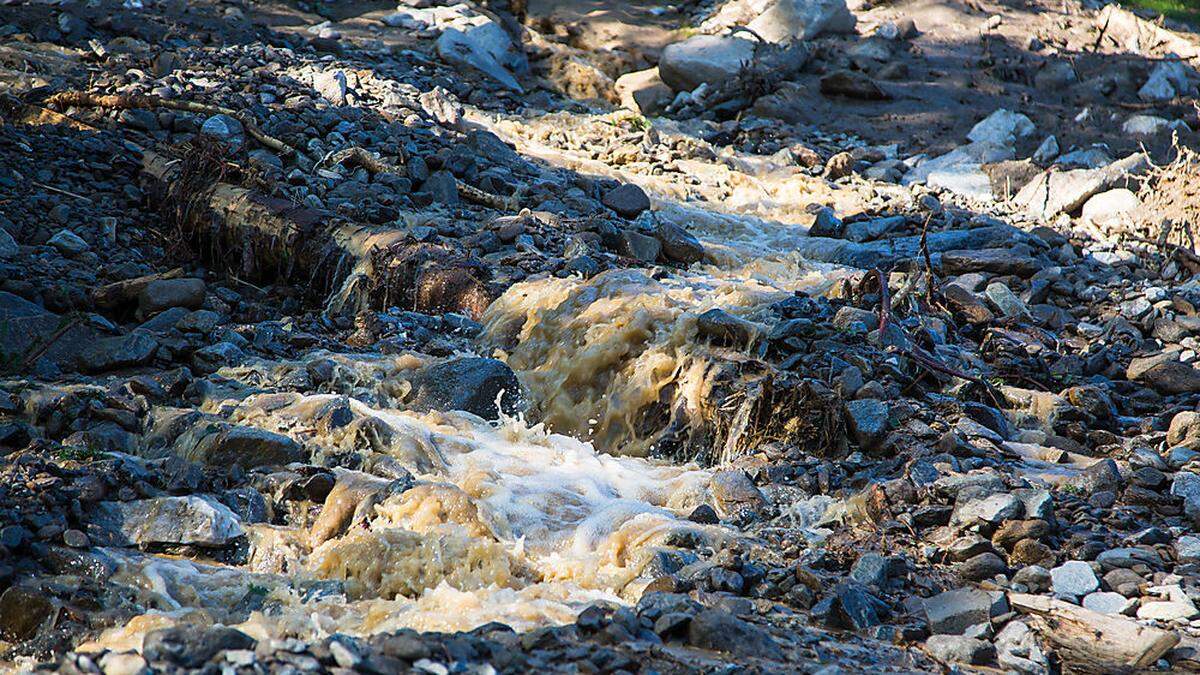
510 521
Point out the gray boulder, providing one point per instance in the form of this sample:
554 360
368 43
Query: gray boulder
195 520
803 20
958 649
704 59
724 632
1164 373
482 44
952 612
473 385
627 200
166 293
1074 578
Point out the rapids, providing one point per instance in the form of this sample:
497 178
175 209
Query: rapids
520 521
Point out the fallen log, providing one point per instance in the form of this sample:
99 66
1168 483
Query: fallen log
118 293
886 253
352 266
359 157
1091 642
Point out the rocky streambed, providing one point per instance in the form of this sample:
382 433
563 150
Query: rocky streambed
377 339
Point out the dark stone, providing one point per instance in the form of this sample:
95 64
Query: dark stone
469 384
704 514
851 606
724 632
219 443
952 612
442 187
867 420
638 246
163 294
723 327
192 647
981 567
112 353
679 245
827 225
628 200
875 570
22 612
1102 476
852 84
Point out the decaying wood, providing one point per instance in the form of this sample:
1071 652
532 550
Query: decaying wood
360 157
1091 642
83 99
474 194
119 293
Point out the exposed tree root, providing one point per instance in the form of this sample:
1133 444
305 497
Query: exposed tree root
265 238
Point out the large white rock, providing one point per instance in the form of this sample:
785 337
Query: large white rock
1002 126
1144 125
1110 205
1168 80
1055 192
968 180
803 20
1074 577
332 85
199 520
480 43
983 152
704 59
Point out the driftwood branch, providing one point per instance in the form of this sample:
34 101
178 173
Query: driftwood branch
1091 642
357 156
360 157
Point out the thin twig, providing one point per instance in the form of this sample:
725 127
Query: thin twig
61 191
916 353
929 279
36 352
1103 30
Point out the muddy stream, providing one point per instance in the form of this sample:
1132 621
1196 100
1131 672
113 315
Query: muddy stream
526 520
